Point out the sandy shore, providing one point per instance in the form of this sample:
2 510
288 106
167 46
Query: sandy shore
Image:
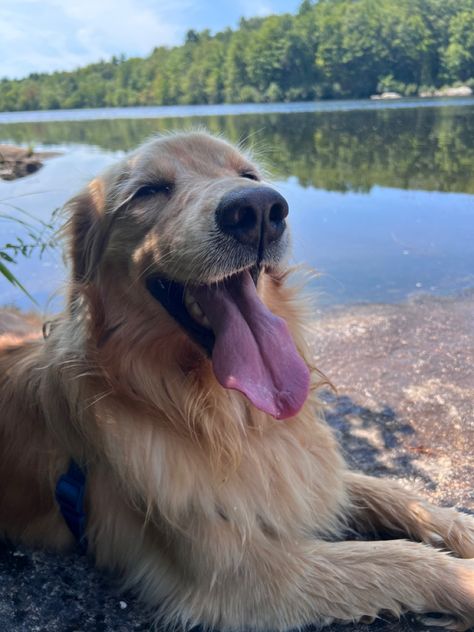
405 381
404 407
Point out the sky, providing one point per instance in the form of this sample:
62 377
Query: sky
48 35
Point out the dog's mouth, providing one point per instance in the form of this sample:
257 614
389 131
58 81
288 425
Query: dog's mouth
251 349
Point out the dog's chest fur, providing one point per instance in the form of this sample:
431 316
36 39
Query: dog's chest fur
279 478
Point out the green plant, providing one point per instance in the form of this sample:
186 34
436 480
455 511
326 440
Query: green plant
390 84
37 236
410 90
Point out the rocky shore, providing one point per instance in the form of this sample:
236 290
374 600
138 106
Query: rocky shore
449 91
404 407
17 162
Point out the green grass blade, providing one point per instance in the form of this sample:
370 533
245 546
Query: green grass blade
14 281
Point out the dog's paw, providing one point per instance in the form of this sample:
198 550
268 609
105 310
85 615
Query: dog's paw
460 537
366 620
446 621
452 530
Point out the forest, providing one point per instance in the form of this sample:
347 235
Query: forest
330 49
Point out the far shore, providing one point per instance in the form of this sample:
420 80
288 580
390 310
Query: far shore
232 109
453 91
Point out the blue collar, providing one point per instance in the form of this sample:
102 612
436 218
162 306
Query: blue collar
70 492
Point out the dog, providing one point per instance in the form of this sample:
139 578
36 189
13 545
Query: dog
179 383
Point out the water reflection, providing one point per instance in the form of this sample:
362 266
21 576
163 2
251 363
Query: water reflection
420 148
378 197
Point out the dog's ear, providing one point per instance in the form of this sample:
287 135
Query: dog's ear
85 230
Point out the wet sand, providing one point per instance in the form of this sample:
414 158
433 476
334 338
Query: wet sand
404 407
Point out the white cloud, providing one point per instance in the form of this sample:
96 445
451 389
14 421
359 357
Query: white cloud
250 8
45 35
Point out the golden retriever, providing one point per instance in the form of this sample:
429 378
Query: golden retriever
178 378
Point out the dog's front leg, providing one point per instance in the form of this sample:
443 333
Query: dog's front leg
363 579
384 505
215 577
345 581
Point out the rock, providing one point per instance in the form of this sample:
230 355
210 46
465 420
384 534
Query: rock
386 96
17 162
460 91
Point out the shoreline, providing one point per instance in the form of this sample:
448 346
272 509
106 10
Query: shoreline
223 109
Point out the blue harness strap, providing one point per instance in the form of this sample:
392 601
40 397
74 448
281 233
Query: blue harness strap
70 492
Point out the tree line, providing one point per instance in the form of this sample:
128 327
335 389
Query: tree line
328 49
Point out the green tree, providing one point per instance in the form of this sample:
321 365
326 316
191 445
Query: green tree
329 48
459 55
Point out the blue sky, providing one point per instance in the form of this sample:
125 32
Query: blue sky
47 35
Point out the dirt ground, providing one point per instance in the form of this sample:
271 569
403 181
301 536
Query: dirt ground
404 407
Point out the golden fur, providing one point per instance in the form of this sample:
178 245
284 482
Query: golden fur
212 510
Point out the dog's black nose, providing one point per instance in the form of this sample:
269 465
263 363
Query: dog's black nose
255 216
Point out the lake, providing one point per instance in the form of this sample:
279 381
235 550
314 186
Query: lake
381 194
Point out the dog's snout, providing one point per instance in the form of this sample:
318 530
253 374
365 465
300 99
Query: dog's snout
255 216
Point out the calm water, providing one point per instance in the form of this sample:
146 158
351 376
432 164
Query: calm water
381 195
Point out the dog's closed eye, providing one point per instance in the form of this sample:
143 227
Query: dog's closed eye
157 188
249 175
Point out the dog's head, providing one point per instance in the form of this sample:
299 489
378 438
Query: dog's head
179 233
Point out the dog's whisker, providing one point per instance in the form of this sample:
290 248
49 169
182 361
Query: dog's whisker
95 400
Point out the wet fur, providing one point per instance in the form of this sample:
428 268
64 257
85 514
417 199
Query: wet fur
214 512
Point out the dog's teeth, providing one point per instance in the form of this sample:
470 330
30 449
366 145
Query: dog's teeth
195 310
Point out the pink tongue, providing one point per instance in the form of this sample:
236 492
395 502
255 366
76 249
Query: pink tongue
253 351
